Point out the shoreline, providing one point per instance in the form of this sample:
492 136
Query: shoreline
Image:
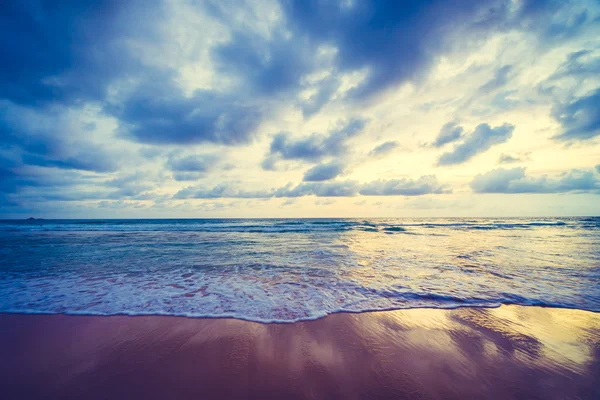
289 322
466 352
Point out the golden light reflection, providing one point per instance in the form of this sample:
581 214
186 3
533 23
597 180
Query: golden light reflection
508 352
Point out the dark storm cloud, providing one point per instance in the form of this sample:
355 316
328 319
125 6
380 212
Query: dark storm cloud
391 41
482 139
266 66
404 187
324 172
314 147
158 112
81 55
396 41
73 52
516 181
66 51
56 56
449 133
579 118
383 149
49 139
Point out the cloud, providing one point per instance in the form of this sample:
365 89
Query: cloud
482 139
383 149
389 42
158 112
577 114
120 204
579 64
327 189
288 202
396 42
93 53
395 187
70 52
188 176
91 92
150 152
194 167
324 202
265 65
449 133
314 103
25 185
324 172
269 163
52 138
193 163
500 79
130 185
405 187
516 181
314 147
222 190
513 158
579 118
85 158
569 27
508 159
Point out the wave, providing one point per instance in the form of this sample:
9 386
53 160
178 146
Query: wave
449 304
267 293
394 229
287 270
291 226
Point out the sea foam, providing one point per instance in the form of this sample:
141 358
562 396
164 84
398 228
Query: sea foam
290 270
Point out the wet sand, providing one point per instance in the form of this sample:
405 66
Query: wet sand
508 352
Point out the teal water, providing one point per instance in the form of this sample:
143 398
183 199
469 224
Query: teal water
293 269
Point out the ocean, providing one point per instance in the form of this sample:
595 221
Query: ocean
286 270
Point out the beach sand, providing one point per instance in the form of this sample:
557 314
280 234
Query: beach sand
502 353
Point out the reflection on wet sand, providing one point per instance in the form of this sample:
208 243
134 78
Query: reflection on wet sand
508 352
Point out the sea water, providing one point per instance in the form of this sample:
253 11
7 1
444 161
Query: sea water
287 270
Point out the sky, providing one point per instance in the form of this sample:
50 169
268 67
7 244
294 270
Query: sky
299 108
